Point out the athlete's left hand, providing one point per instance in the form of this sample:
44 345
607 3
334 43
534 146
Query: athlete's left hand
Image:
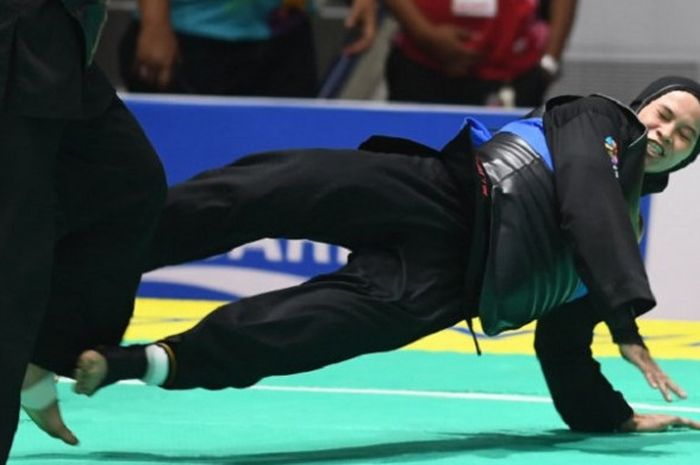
639 356
362 15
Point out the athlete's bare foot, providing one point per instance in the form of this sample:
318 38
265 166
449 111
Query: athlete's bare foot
50 421
90 372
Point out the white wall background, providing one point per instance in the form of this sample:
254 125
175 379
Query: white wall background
673 258
637 29
618 46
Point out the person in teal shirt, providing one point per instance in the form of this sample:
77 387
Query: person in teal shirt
230 47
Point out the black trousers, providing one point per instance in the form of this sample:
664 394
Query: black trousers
282 66
78 203
409 81
404 218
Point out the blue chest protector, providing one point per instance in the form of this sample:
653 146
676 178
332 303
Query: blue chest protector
531 130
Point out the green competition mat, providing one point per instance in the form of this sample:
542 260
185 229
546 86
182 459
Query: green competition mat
434 402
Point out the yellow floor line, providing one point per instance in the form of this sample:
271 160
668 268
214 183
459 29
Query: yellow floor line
156 318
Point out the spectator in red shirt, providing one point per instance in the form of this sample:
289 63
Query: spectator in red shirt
477 52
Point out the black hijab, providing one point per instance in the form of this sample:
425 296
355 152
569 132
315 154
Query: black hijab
656 182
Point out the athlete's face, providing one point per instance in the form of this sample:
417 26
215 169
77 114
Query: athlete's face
673 122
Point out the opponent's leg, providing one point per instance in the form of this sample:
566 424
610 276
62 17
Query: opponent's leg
110 190
27 154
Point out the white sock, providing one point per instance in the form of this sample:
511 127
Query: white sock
41 394
158 365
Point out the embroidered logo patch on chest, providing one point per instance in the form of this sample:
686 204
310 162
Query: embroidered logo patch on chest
611 149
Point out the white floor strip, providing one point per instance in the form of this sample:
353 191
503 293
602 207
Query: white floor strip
409 393
438 395
665 408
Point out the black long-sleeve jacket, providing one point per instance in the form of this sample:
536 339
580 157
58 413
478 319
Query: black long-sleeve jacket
598 148
583 397
607 201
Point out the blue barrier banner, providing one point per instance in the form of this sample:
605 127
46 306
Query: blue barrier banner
193 134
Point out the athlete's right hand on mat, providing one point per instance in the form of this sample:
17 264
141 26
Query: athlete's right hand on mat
639 356
653 422
51 422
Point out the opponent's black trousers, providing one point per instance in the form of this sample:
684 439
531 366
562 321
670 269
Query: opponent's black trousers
78 203
405 218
